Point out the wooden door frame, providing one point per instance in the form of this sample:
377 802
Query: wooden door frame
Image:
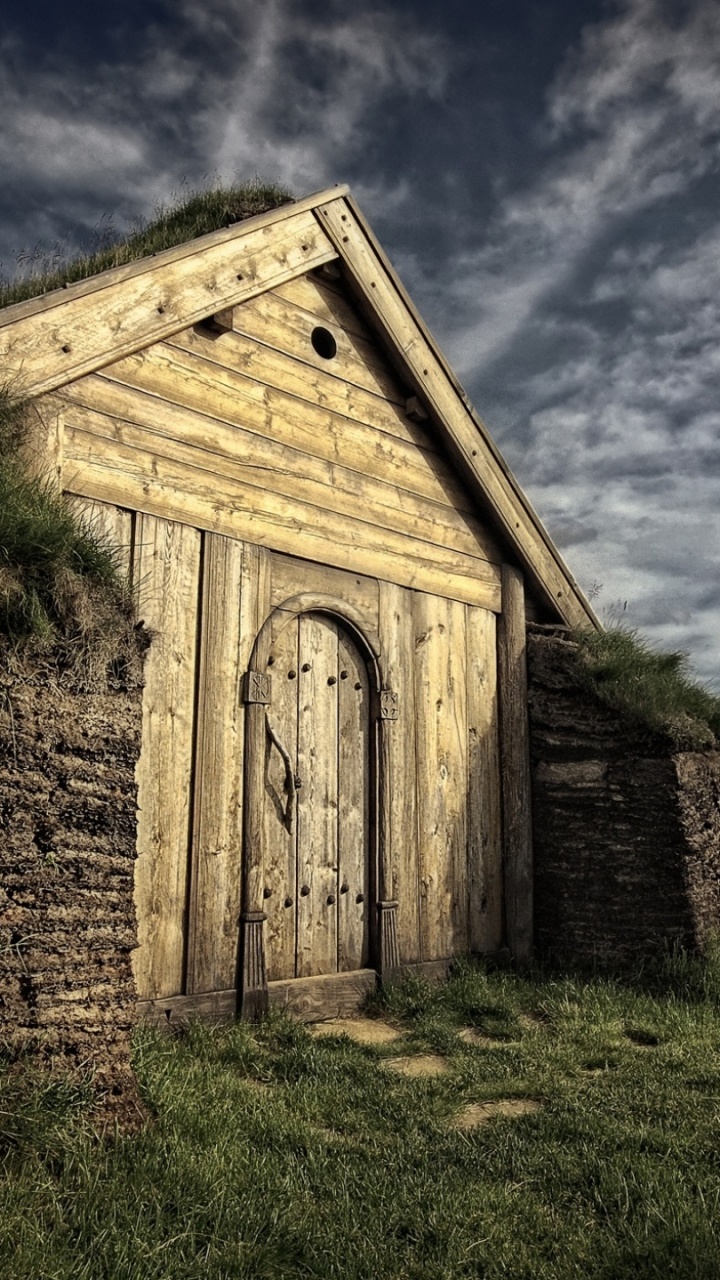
252 974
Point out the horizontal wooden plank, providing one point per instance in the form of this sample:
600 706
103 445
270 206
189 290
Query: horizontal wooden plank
333 995
327 302
144 421
206 1006
48 348
184 377
287 327
319 387
291 577
140 480
475 451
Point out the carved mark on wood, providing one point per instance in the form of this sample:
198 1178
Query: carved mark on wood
257 688
388 705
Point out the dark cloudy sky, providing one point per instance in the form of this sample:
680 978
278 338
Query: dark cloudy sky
545 174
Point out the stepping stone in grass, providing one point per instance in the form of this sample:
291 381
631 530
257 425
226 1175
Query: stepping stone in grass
362 1030
470 1036
477 1113
421 1064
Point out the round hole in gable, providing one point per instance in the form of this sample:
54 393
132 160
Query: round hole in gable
323 342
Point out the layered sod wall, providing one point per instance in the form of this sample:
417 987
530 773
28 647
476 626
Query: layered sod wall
67 852
626 828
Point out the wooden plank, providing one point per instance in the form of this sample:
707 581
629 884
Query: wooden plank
353 817
291 577
335 995
188 248
441 713
485 847
318 798
113 524
473 448
174 1011
136 478
398 661
320 387
254 609
271 319
515 757
217 834
110 411
166 576
329 303
49 347
172 374
279 824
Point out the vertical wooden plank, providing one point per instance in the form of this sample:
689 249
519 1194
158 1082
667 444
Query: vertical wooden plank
318 801
254 603
441 708
515 758
353 806
217 833
398 652
167 572
485 870
279 829
254 609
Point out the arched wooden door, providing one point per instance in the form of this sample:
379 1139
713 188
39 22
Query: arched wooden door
316 802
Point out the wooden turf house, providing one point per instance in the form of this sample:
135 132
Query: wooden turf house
336 566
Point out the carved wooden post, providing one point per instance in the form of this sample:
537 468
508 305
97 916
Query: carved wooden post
253 989
388 949
515 757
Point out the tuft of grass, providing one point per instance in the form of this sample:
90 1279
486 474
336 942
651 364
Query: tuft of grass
185 218
276 1154
60 583
656 689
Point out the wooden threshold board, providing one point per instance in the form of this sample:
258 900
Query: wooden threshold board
333 995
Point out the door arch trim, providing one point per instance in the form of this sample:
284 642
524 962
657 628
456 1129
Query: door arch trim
316 602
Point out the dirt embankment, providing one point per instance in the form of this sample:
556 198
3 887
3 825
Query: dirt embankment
67 851
626 829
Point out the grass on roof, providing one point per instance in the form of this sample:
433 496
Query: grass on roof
656 689
184 219
61 589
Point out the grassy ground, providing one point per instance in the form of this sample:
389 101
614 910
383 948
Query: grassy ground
276 1154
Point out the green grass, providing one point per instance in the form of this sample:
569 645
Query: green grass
60 583
656 689
190 215
273 1154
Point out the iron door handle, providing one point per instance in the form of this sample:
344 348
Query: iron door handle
292 781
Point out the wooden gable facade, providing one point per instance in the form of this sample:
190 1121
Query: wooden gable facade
336 567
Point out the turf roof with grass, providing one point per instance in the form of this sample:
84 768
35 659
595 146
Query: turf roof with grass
60 584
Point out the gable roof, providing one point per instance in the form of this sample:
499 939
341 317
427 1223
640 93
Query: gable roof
49 341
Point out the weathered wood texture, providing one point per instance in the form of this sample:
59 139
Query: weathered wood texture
217 829
399 785
49 340
167 578
316 839
485 864
442 773
515 756
253 435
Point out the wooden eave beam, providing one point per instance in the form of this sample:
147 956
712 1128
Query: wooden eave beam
376 283
49 341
